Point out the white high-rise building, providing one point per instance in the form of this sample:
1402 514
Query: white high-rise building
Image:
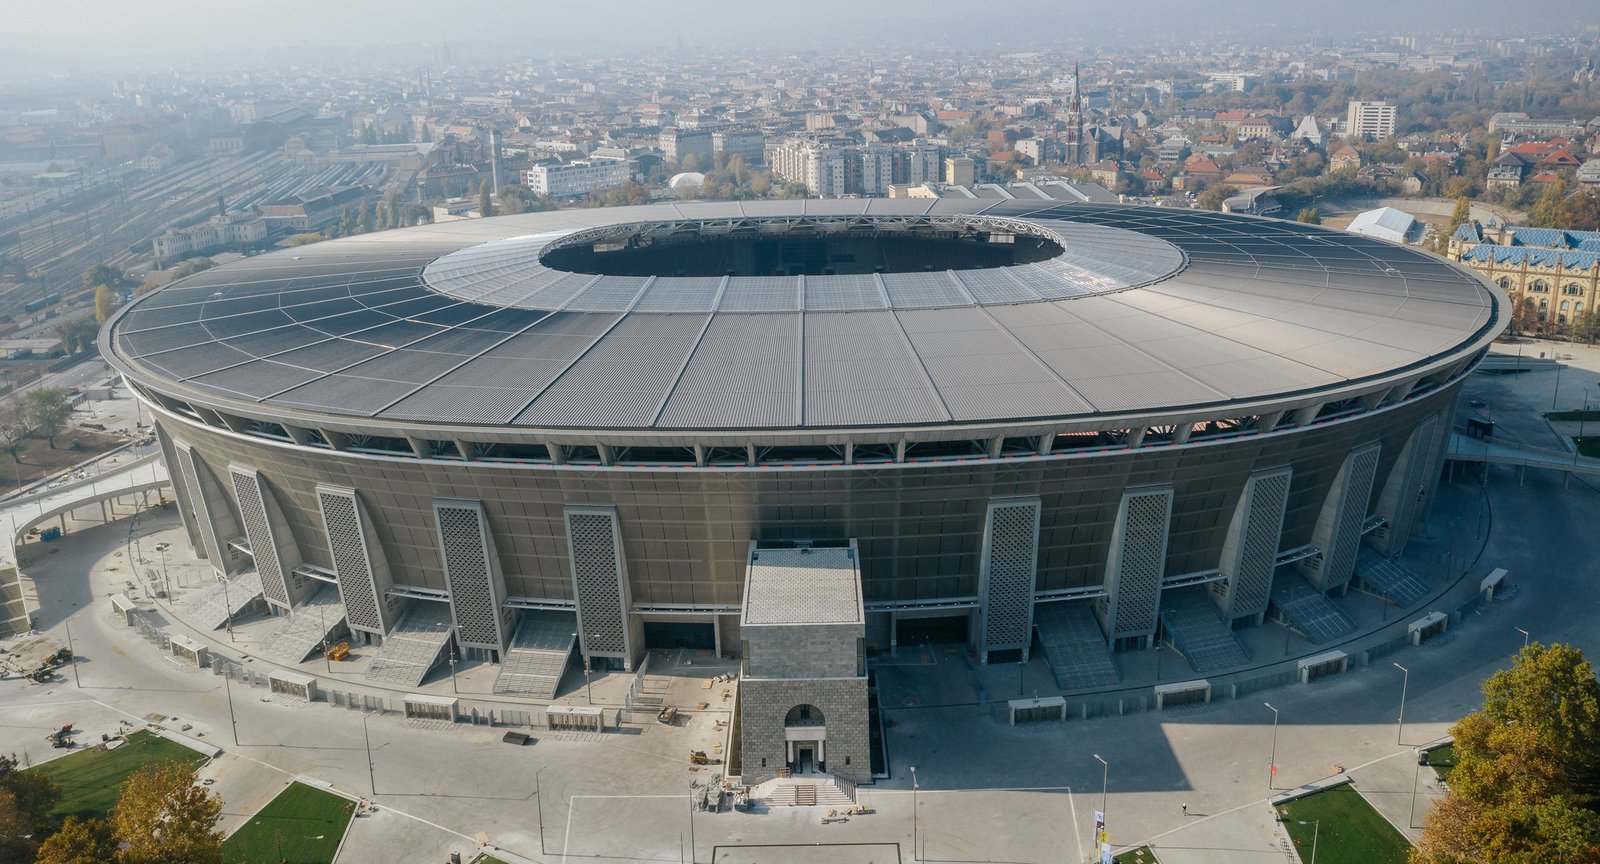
577 178
1373 121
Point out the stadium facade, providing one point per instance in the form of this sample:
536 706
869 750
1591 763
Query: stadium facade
998 412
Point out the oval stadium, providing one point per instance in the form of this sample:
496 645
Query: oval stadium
799 432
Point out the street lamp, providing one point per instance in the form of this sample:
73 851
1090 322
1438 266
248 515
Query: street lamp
227 675
1525 635
1105 774
366 738
914 856
322 621
1316 830
539 801
1272 764
1404 683
1411 820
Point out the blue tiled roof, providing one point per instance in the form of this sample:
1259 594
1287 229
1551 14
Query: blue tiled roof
1468 231
1551 238
1590 245
1519 255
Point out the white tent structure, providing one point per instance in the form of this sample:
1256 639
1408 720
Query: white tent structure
1387 223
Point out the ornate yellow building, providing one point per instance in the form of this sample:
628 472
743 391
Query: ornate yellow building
1553 276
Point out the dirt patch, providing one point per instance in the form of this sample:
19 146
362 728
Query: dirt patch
39 460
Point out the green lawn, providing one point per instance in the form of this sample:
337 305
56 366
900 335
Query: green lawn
303 825
91 779
1443 759
1141 855
1588 445
1573 416
1351 831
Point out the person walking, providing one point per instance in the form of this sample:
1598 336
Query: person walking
1185 809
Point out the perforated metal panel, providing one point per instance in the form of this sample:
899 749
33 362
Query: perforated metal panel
247 491
1250 553
1401 503
361 571
599 581
1347 507
212 515
1006 573
180 491
1136 562
472 571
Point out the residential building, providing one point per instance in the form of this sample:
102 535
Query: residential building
1373 121
748 144
677 143
960 171
245 229
579 177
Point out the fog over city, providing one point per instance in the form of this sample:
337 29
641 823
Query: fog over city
179 31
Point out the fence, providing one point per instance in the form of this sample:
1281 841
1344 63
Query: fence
637 687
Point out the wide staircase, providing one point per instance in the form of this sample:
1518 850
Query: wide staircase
307 628
226 599
538 655
13 610
414 646
1074 646
1205 640
1307 611
806 790
1390 580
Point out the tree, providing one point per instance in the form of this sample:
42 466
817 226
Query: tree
1212 198
79 842
17 841
25 802
1461 214
105 303
165 818
1527 778
78 334
1309 215
191 266
366 218
306 239
1551 211
48 412
102 274
485 202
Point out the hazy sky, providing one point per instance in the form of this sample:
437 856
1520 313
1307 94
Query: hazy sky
109 28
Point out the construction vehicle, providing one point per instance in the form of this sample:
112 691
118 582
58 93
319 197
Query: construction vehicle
61 738
698 757
340 651
667 715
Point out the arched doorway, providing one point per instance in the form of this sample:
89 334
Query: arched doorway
805 733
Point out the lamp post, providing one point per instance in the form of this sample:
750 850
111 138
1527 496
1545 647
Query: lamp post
1411 820
1272 764
74 658
366 738
539 801
1105 775
692 859
322 621
914 855
1404 683
1525 635
227 607
1316 830
233 721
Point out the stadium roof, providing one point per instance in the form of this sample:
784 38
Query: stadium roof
1146 310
